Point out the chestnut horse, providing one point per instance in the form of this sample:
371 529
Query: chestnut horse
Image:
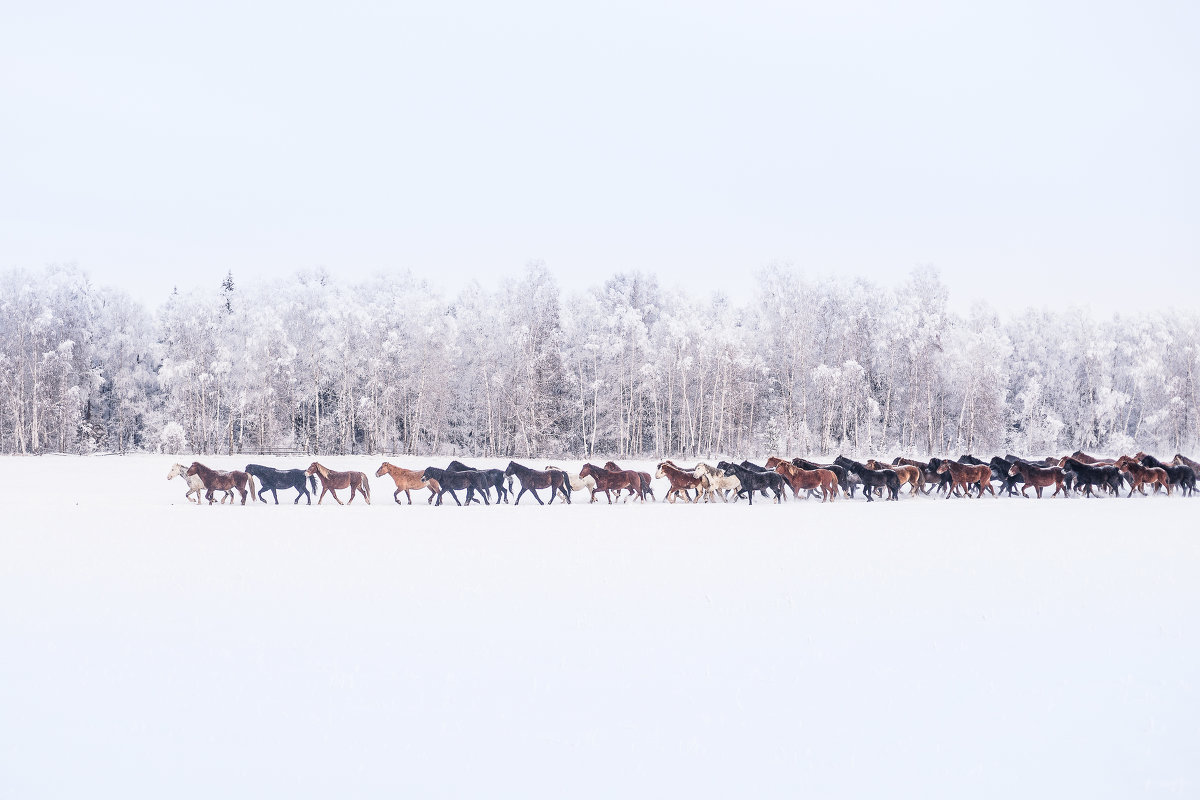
407 480
1142 475
965 474
215 480
194 484
645 476
799 478
330 480
680 480
609 480
1039 478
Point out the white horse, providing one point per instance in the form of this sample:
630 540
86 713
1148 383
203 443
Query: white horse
195 485
714 481
577 483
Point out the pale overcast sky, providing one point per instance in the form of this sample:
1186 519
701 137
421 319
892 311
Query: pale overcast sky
1041 152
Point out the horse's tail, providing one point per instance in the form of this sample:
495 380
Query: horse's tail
312 481
250 480
366 487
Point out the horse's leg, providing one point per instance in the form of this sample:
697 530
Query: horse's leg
335 497
455 496
517 502
535 497
396 497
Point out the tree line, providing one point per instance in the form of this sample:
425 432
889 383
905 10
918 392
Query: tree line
625 368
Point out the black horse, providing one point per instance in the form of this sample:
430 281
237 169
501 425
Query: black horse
271 478
471 480
495 479
1098 475
1001 467
1180 475
847 481
754 481
533 479
872 478
757 468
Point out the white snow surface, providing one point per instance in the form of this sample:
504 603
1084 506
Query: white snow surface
925 648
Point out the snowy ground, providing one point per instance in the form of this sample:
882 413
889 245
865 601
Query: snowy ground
926 648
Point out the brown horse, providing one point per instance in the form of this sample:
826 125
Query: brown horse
555 480
1181 460
406 480
610 480
913 476
799 478
646 488
1039 478
215 480
1142 476
680 480
966 474
330 480
1084 458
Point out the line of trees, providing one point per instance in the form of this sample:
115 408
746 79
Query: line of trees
625 368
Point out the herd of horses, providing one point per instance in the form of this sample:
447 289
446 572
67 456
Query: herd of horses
1078 473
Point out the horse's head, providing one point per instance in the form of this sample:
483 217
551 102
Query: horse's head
312 468
382 469
193 469
511 469
944 467
773 462
176 470
727 468
1015 468
872 464
661 473
425 474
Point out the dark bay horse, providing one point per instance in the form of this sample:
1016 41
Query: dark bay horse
471 480
495 479
330 480
1038 477
215 480
406 480
273 479
533 479
609 480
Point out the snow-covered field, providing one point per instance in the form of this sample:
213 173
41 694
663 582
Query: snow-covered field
926 648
